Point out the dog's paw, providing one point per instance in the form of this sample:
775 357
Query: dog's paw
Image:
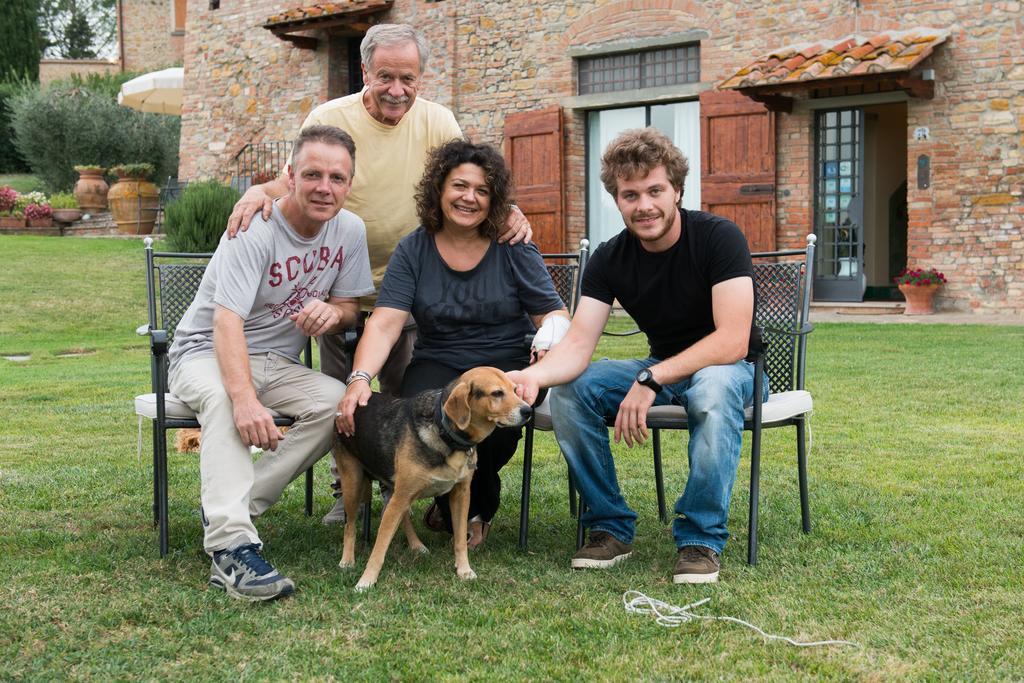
466 574
420 549
346 564
364 585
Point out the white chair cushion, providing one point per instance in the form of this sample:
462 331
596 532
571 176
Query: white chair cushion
174 407
779 408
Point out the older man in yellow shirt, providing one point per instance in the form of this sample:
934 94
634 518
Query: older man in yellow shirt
394 130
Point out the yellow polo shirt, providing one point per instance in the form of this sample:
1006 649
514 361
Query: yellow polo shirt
389 164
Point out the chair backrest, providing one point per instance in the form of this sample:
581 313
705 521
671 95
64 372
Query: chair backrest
782 283
566 272
171 285
172 280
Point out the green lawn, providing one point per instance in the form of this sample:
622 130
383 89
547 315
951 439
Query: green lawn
917 485
22 182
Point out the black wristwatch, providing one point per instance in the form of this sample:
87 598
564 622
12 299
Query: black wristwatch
646 378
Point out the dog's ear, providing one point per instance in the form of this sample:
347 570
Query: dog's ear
457 405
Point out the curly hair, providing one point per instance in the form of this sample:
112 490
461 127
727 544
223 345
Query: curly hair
441 162
636 152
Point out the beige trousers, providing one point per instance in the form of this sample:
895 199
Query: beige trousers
235 489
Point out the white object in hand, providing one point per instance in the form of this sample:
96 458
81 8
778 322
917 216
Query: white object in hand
551 332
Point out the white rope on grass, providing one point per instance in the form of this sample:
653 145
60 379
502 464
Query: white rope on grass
671 616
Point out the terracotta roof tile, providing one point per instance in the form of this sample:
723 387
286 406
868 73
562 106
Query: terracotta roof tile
892 51
327 9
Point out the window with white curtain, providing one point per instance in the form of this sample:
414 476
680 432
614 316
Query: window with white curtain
680 121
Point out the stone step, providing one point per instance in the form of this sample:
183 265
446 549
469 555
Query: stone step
858 307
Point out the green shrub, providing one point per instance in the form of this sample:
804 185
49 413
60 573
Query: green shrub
142 171
104 84
63 200
10 160
196 220
57 128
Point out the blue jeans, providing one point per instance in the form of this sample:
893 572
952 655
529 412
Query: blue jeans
714 398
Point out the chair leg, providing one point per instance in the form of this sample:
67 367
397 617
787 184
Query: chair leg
801 463
156 481
309 491
160 477
572 494
659 478
755 492
579 522
524 499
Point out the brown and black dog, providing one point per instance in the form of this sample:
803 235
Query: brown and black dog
421 447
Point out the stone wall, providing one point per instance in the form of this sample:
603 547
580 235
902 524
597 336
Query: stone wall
149 41
492 57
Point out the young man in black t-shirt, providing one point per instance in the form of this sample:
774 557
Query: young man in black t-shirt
686 279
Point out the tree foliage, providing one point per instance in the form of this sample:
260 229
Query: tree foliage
21 41
63 126
79 29
79 38
10 159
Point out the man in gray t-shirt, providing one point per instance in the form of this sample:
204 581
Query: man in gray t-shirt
235 356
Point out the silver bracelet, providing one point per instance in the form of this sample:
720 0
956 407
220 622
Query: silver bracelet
357 375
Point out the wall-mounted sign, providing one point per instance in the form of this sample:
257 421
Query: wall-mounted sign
923 172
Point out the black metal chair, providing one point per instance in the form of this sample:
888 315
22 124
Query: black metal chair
566 272
171 283
782 280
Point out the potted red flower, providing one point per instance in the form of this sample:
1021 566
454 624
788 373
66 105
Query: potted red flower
918 286
39 216
10 215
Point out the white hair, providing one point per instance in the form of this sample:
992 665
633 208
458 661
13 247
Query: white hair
390 35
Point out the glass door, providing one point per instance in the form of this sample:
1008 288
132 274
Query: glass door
839 205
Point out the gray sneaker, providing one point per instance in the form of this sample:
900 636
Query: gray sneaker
696 564
603 551
245 575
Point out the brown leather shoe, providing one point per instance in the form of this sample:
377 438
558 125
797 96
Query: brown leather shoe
602 551
696 564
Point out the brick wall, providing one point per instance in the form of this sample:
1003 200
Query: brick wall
59 69
491 57
149 42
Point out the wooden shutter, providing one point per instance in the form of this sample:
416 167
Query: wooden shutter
533 150
737 152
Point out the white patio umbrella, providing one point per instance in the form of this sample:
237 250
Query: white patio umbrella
158 91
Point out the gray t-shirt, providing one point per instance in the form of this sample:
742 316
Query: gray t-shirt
269 272
476 317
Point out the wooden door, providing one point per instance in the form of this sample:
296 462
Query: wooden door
737 153
533 150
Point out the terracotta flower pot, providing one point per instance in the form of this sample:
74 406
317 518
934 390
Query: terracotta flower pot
133 205
920 299
91 190
67 215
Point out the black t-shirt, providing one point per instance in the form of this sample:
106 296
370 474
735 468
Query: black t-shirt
474 317
668 293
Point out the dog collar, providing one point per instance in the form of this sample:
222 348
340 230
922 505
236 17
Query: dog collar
455 438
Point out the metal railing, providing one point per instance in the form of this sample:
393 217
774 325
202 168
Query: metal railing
259 162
